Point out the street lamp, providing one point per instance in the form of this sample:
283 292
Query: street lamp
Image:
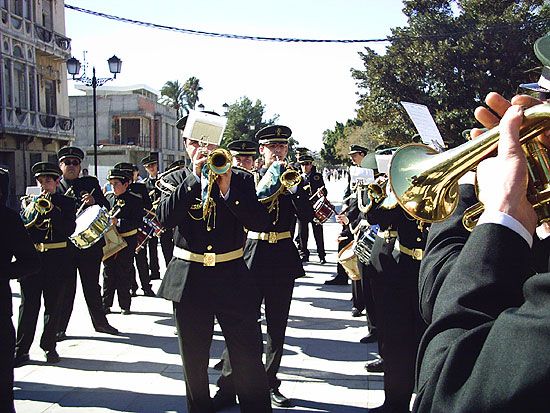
73 67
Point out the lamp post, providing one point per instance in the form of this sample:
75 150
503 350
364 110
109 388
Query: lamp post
73 67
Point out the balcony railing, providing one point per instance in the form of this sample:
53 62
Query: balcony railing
24 122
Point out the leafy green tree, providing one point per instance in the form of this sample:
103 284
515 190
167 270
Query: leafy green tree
451 54
173 95
244 119
191 89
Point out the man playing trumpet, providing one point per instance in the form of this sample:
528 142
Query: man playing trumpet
208 277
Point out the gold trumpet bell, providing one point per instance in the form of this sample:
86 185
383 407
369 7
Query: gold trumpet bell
425 182
416 182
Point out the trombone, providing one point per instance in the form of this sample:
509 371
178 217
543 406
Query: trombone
425 182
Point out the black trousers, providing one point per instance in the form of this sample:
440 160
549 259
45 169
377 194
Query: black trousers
357 294
368 298
167 245
154 258
143 271
88 264
277 296
303 237
402 332
7 348
118 271
230 297
47 284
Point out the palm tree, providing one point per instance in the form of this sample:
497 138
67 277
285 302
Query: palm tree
191 90
173 95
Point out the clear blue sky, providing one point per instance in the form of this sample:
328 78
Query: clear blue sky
308 85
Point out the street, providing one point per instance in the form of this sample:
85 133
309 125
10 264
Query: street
140 370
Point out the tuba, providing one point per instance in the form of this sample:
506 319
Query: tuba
425 182
34 208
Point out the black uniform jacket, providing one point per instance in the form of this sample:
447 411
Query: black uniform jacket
409 234
152 191
383 253
139 188
131 213
62 222
16 242
313 181
281 259
182 210
486 349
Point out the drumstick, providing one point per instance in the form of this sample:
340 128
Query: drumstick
83 204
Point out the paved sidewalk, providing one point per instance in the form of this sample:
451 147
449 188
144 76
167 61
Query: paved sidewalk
140 370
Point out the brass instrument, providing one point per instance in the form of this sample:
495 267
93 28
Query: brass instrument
377 192
425 182
34 208
278 178
218 162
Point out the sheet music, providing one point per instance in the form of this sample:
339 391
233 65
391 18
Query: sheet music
364 175
425 125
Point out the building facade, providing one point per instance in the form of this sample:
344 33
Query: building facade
130 125
34 104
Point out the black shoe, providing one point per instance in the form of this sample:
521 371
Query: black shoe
126 311
107 310
305 259
277 399
52 357
133 293
149 293
355 312
322 260
155 276
61 336
223 400
375 366
372 337
107 329
337 281
21 359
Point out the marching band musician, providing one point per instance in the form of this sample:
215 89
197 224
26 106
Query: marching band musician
208 277
16 243
140 189
398 317
54 221
150 163
349 215
127 212
87 261
313 182
274 263
244 152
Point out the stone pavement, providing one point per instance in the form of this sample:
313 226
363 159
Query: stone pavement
140 370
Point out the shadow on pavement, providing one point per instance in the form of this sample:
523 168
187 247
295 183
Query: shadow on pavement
115 400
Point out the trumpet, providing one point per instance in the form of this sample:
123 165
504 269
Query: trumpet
377 192
425 182
34 208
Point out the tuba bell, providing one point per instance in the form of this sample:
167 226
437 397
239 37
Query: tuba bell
425 182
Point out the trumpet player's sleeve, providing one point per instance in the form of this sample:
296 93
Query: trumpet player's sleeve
444 244
16 243
173 209
485 349
243 202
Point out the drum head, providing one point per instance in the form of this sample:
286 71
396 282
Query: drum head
85 218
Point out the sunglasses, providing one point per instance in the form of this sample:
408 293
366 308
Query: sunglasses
73 162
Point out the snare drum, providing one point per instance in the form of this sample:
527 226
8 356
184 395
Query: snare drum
322 210
91 224
348 260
